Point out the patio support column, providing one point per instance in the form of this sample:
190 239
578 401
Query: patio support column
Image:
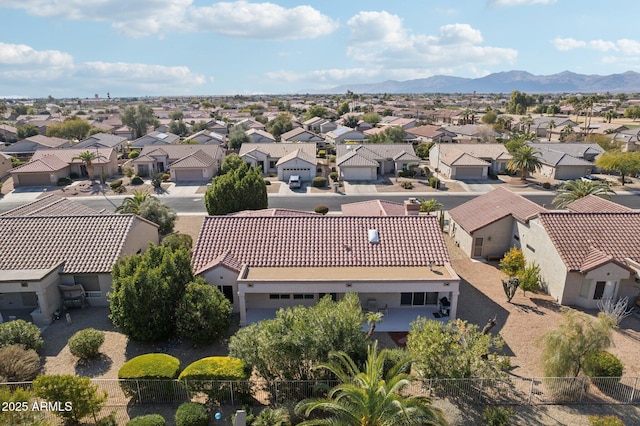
454 304
242 305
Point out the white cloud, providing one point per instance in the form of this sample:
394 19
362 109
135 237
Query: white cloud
21 63
625 46
139 18
565 44
379 39
602 45
519 2
262 20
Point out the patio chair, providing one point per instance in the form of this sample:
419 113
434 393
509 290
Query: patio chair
445 306
372 305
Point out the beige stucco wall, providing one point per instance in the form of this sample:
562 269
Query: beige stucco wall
497 237
140 235
221 275
46 291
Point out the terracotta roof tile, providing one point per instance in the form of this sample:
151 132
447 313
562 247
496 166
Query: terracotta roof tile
278 150
48 163
493 206
51 205
576 235
373 208
67 154
84 244
194 160
323 241
594 204
273 212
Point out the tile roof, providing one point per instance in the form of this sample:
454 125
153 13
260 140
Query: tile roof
299 154
594 204
557 158
323 241
196 159
48 163
478 150
101 139
274 212
355 159
576 235
51 205
493 206
178 151
575 149
84 244
376 151
373 208
67 154
455 157
427 131
280 149
47 141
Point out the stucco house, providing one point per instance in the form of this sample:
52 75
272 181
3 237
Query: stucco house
299 134
398 264
155 138
49 165
24 149
431 133
63 243
484 227
5 164
184 162
297 158
366 162
469 160
566 161
103 140
206 137
260 136
344 134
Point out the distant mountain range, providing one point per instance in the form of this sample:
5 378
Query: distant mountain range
504 82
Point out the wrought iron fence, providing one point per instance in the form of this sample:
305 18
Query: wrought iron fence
494 391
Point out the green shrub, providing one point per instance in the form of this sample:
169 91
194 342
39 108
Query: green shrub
83 397
332 159
140 374
321 209
19 418
203 314
406 185
18 364
120 190
137 180
177 241
546 185
116 184
319 182
134 154
192 414
333 176
434 182
603 364
166 177
267 182
128 172
497 416
150 366
272 417
605 421
148 420
156 180
401 173
64 181
20 332
85 344
211 376
322 153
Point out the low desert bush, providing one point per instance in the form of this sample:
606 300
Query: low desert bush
148 420
406 185
321 209
137 180
20 332
333 176
116 184
192 414
605 421
18 364
319 182
497 416
63 181
85 344
140 377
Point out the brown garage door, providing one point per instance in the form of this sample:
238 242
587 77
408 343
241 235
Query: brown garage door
469 172
189 175
34 179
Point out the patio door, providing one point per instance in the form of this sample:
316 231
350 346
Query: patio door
477 246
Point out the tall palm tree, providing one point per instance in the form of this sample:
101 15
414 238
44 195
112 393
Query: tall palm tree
88 157
428 206
132 204
369 397
525 159
573 190
552 125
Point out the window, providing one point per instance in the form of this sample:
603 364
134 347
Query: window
89 282
531 248
227 290
516 237
406 298
272 164
303 296
334 296
585 288
599 290
279 296
418 299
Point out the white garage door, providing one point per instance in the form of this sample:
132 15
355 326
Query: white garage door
357 173
305 173
469 172
188 175
34 179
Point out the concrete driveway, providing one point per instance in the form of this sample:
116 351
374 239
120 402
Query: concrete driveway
355 188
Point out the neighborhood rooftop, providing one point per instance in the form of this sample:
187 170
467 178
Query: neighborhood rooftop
51 205
594 204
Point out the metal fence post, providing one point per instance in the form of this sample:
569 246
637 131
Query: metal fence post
582 389
531 391
139 393
633 391
231 387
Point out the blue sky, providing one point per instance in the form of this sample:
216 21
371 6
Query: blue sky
75 48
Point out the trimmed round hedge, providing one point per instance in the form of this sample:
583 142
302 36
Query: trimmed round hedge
192 414
148 420
85 344
215 368
150 366
603 366
137 180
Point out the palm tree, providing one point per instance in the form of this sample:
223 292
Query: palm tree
428 206
528 121
526 159
272 417
575 189
369 397
88 158
551 126
610 115
372 318
566 132
132 204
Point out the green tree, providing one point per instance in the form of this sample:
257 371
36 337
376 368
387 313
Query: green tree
351 121
610 115
237 137
131 205
239 189
18 110
26 131
88 157
525 159
178 128
512 262
231 162
316 111
626 163
176 115
428 206
632 112
529 278
76 393
392 134
344 108
370 397
159 213
279 125
552 125
423 149
519 102
567 134
203 314
139 119
199 126
490 117
566 348
19 396
553 109
70 128
287 347
454 350
146 290
573 190
372 118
